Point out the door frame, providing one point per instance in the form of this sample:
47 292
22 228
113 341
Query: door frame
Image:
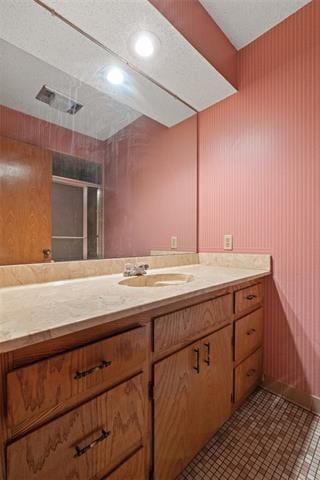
85 185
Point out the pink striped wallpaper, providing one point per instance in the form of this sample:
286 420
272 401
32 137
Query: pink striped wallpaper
28 129
260 180
151 188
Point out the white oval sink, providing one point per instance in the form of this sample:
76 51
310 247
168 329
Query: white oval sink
157 280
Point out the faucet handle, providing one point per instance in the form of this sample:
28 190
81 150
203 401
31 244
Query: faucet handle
145 266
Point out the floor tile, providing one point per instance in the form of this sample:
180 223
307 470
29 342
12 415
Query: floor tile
267 438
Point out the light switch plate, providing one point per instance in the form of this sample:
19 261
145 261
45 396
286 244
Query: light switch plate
174 243
228 242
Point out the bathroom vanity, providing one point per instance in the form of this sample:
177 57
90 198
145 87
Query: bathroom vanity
133 393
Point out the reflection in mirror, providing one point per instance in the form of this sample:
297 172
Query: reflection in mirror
96 160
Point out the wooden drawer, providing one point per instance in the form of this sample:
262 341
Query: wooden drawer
43 386
190 323
248 374
248 334
132 469
248 298
85 441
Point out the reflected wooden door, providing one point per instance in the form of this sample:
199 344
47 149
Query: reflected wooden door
25 202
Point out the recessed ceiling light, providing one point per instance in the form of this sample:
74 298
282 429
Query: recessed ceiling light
145 44
115 76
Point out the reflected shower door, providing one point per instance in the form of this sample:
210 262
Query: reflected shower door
69 222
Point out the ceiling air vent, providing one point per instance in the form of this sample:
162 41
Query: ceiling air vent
58 100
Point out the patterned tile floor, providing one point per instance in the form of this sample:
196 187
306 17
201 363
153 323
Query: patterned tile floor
267 438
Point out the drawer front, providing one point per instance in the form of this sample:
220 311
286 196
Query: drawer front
132 469
248 334
39 388
248 374
248 297
85 441
188 324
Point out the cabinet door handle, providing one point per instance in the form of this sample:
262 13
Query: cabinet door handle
251 297
80 451
208 359
251 331
197 367
85 373
251 372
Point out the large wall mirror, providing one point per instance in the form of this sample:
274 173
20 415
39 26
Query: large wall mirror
97 158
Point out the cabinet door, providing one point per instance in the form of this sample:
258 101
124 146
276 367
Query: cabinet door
25 202
192 400
216 381
176 410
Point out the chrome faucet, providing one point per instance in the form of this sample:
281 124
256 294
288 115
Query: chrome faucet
132 270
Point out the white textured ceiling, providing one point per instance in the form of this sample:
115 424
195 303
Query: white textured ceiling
178 66
22 76
245 20
34 30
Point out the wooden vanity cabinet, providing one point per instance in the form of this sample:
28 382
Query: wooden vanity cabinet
192 399
133 399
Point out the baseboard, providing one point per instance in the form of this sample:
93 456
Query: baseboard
291 393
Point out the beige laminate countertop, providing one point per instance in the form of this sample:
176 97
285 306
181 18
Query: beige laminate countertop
34 313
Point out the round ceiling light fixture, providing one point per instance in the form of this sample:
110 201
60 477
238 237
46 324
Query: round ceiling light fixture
145 44
115 76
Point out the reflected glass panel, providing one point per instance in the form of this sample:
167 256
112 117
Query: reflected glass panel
67 211
67 249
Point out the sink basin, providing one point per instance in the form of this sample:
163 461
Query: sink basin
157 280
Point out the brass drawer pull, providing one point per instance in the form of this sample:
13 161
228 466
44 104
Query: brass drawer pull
85 373
208 359
251 297
80 451
251 372
197 367
251 331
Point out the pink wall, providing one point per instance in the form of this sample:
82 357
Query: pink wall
196 25
260 181
151 188
47 135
